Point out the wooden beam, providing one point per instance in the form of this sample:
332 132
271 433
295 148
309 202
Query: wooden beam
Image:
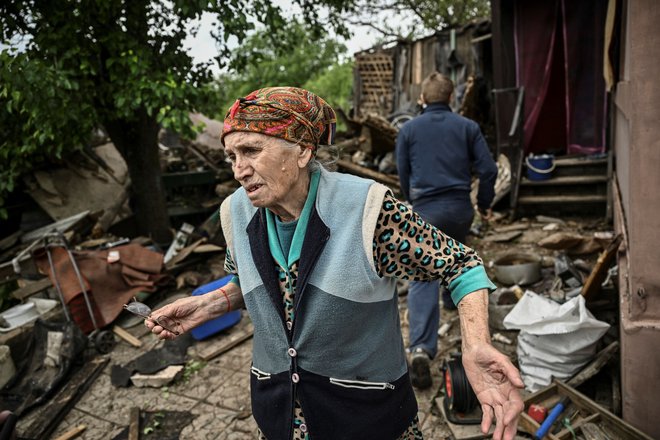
591 431
371 174
351 145
593 284
217 351
134 425
199 153
72 433
126 336
599 361
31 289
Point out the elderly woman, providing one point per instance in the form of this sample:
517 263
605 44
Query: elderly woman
316 256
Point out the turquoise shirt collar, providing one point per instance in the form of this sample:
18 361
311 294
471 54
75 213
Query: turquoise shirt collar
299 235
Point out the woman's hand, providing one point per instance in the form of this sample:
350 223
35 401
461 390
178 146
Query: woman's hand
495 381
493 377
188 313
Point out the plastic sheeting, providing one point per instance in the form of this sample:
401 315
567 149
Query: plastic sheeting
555 340
37 379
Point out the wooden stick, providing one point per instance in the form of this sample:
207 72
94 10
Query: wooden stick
126 336
593 284
134 426
350 145
595 366
72 433
197 152
207 356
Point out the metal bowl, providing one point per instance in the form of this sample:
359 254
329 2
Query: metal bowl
517 268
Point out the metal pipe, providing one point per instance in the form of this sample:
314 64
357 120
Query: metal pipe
82 287
57 284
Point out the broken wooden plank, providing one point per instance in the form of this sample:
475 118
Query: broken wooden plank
351 145
134 424
618 427
593 284
513 227
200 154
600 360
52 413
126 336
32 289
591 431
539 200
208 247
217 351
381 124
503 237
72 433
564 433
10 240
371 174
182 254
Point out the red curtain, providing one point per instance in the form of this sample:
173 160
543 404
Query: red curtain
559 61
584 24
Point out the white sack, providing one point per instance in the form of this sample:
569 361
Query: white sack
555 340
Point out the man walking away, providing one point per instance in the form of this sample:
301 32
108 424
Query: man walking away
436 154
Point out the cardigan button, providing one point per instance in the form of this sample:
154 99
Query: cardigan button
295 378
292 352
303 427
289 325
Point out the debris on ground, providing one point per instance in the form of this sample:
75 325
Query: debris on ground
74 259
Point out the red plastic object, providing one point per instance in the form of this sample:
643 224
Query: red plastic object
537 412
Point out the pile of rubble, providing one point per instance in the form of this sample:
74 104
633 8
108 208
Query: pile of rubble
65 283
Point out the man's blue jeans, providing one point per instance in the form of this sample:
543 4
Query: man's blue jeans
453 217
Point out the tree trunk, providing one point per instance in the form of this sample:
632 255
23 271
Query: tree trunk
137 142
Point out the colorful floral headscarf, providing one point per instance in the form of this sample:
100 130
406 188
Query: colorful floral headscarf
290 113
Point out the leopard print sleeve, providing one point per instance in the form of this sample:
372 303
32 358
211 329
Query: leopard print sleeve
230 266
408 248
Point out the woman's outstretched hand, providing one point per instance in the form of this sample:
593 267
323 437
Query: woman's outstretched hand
187 313
496 382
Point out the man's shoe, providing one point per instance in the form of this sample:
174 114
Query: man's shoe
420 369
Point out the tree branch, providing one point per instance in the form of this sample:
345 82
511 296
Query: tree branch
384 31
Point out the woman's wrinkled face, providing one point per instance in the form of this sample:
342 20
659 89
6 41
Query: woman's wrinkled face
267 168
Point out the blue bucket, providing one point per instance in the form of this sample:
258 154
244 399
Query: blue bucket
210 328
540 167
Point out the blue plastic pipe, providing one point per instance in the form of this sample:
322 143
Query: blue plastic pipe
552 417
